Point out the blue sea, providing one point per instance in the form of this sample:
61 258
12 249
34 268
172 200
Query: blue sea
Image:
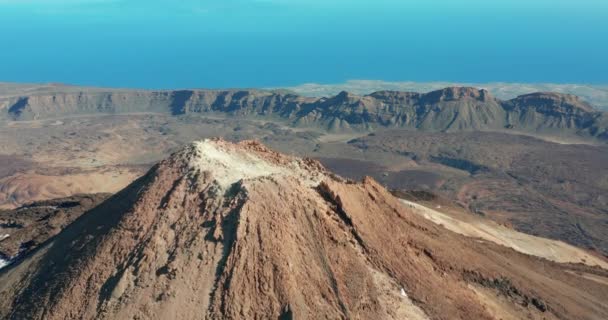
270 43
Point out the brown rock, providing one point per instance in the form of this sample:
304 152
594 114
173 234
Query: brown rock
237 231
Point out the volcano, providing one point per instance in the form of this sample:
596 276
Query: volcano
237 231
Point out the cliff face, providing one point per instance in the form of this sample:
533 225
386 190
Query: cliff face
242 103
237 231
450 109
551 111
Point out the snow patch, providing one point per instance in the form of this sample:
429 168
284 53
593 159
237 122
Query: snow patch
4 236
4 263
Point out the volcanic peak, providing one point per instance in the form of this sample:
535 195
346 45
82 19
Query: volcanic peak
230 163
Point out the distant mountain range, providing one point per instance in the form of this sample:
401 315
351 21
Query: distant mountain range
597 95
446 110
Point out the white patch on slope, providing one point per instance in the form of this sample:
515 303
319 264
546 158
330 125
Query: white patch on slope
38 207
4 263
230 164
554 250
4 236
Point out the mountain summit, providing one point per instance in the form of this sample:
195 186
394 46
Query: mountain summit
237 231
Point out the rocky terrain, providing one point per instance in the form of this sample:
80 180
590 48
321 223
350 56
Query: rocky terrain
24 229
450 109
597 95
222 230
537 162
543 188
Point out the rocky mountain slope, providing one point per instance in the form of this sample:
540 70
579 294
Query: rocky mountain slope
24 229
450 109
542 188
223 230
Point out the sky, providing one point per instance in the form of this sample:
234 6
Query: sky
273 43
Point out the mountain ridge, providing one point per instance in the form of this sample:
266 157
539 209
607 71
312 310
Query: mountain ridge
449 109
